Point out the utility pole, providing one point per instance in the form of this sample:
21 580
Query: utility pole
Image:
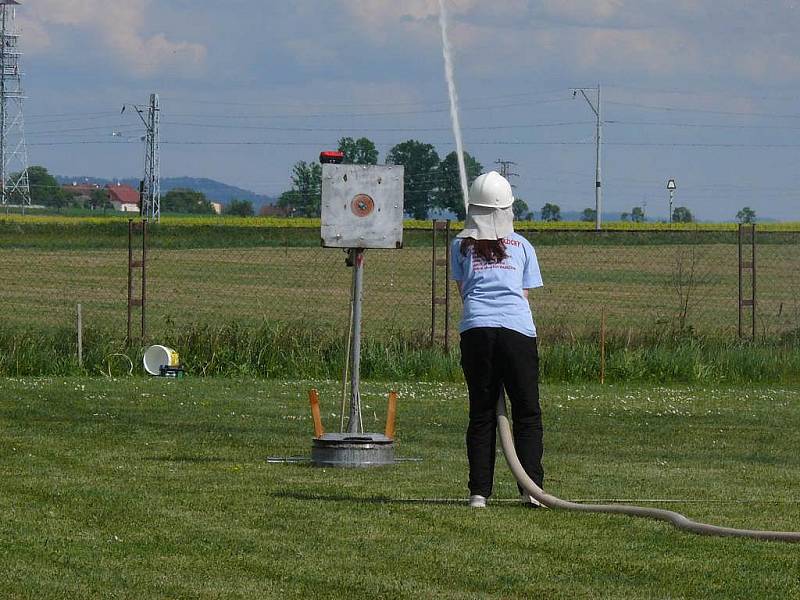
151 186
14 181
505 168
597 109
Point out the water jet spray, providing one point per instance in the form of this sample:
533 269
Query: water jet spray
453 93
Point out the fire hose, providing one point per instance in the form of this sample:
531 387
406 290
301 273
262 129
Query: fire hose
676 519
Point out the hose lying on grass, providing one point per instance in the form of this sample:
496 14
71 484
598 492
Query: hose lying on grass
677 519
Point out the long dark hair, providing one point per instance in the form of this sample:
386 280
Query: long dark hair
492 251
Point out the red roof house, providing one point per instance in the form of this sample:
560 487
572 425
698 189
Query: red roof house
123 197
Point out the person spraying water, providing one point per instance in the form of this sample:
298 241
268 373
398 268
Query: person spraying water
494 268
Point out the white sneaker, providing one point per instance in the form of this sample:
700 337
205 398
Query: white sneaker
477 501
530 501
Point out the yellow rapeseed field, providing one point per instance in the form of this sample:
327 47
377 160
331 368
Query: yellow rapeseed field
303 222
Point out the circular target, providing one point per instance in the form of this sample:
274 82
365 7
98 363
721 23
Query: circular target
362 205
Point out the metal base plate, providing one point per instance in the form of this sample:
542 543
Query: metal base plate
352 450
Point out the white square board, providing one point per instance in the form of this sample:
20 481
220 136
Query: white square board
362 206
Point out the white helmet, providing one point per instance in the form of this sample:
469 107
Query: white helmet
491 190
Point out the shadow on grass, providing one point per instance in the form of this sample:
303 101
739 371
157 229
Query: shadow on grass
374 499
189 459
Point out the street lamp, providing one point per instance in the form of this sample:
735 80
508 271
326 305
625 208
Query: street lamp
597 109
671 187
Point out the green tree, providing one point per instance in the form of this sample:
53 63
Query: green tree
289 200
551 212
183 200
588 215
240 208
681 214
358 152
99 199
746 215
520 208
448 195
45 190
421 164
637 214
625 217
304 199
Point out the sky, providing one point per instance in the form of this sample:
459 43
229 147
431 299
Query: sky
705 92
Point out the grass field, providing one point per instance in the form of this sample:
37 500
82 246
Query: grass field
160 489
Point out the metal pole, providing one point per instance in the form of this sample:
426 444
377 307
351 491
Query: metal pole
447 289
753 233
3 174
598 178
144 275
130 276
354 425
671 196
741 284
433 287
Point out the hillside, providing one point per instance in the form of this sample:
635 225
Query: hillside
216 191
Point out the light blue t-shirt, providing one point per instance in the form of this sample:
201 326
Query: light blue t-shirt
493 292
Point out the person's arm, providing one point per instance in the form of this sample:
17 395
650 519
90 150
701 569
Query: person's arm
524 293
531 276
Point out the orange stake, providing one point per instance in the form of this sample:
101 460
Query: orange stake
391 413
313 398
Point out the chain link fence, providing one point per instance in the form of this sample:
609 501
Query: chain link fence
640 282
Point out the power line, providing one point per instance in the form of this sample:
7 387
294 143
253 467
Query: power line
364 104
706 110
696 92
361 114
702 125
373 129
435 143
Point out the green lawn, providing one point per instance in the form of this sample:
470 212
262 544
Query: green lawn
135 488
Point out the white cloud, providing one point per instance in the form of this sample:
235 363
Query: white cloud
582 10
626 37
118 25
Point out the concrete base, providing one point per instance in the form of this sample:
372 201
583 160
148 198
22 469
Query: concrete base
352 450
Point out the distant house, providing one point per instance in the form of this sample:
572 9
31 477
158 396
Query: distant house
272 210
80 192
123 198
217 206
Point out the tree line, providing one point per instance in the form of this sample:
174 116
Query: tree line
46 191
430 182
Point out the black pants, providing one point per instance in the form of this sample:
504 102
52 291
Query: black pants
493 358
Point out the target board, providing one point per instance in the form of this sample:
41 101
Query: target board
362 206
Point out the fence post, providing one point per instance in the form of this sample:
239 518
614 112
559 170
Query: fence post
80 336
745 265
144 278
433 284
141 301
435 299
447 287
753 297
130 278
